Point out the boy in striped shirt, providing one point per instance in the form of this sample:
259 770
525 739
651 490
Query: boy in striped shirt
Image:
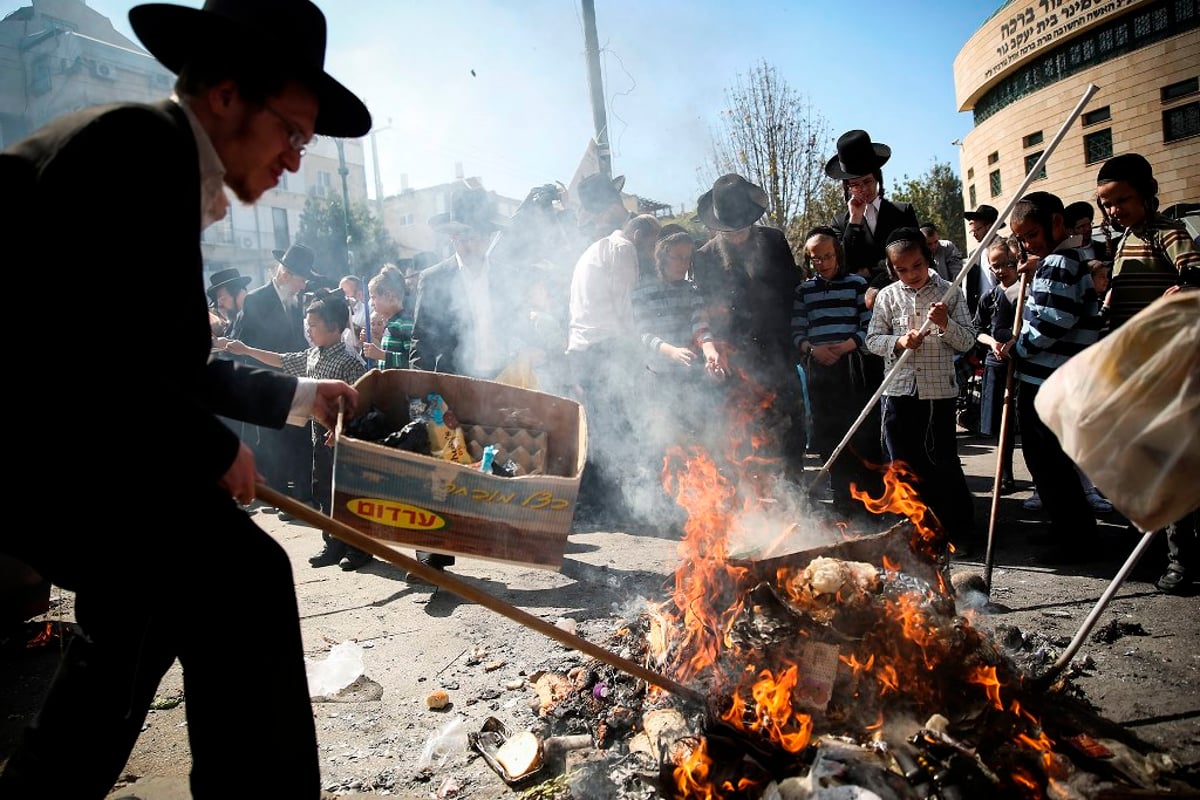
1061 318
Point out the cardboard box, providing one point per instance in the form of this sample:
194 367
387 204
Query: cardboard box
445 507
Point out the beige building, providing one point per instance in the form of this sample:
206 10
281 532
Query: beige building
58 56
1026 69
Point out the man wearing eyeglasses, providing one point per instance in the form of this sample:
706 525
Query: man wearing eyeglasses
163 563
869 217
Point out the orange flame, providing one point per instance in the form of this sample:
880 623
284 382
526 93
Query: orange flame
986 677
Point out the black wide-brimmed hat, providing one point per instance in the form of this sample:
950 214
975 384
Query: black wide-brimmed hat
597 192
298 260
983 213
472 209
290 33
229 279
856 156
731 204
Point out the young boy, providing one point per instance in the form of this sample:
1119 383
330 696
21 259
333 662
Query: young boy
918 406
325 318
1061 317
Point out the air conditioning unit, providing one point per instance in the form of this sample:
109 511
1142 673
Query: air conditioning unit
106 71
248 242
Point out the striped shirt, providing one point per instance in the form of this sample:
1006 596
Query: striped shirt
397 341
830 312
1061 316
929 372
671 313
1150 260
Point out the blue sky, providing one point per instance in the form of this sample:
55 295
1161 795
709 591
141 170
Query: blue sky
502 86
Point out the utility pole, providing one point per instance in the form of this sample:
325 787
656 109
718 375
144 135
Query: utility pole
596 83
344 171
375 161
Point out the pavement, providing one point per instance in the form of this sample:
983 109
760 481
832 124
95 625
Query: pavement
1013 523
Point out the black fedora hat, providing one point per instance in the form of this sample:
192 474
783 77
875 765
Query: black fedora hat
229 279
983 213
597 192
856 156
298 260
288 32
732 204
472 208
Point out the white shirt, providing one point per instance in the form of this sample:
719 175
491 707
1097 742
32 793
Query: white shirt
871 213
482 349
602 284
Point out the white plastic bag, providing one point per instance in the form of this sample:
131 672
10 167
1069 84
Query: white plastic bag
1127 411
336 671
451 738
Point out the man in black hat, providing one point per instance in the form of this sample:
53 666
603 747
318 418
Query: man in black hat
602 208
216 594
748 277
979 280
272 319
226 294
869 217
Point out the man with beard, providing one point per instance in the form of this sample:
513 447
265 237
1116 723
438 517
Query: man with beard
163 563
748 277
272 319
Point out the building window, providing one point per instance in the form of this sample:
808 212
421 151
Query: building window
279 222
993 158
1030 161
407 219
1181 122
994 183
971 192
970 173
1097 146
1032 139
1098 115
1181 89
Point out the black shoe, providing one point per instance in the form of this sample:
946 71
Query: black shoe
1007 486
330 554
354 559
286 516
1173 581
437 561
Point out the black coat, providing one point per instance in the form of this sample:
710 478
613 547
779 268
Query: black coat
126 437
265 323
864 249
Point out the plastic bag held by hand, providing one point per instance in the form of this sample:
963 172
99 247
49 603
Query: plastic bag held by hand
1127 411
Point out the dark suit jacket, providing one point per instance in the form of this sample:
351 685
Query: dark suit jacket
265 323
444 325
864 249
125 443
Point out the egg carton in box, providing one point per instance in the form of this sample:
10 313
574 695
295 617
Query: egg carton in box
524 446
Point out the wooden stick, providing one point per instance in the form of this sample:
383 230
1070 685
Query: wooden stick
468 592
1005 415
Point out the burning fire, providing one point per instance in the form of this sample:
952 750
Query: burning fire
906 661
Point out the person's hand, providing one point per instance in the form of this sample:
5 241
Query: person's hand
221 343
998 350
939 315
1100 278
240 478
1029 265
680 355
714 366
912 340
826 354
331 397
374 351
1003 350
856 208
235 346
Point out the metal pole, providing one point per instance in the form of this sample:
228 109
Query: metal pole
962 274
596 84
344 171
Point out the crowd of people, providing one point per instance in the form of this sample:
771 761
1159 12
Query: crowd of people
669 343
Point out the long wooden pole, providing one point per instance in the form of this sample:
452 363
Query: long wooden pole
1005 418
468 592
962 274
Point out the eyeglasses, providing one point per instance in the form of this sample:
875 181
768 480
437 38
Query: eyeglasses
861 183
297 139
822 259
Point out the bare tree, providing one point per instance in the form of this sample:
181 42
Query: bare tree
771 135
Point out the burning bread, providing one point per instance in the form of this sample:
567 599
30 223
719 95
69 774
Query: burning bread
520 754
831 576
